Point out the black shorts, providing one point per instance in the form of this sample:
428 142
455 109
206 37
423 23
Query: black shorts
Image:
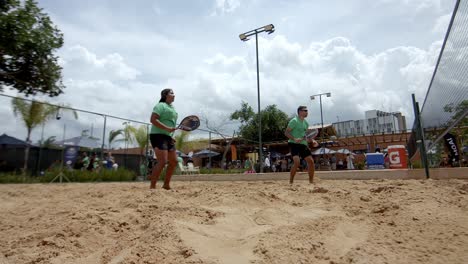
300 150
162 142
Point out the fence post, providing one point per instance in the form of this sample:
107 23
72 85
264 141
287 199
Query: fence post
420 136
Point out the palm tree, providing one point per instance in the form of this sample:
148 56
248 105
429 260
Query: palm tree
141 137
181 140
33 114
185 145
113 134
128 131
48 143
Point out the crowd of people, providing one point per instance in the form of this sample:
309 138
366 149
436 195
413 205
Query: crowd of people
92 162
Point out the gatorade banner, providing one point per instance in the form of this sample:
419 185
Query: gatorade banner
397 157
451 144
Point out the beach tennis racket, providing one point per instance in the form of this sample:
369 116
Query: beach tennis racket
189 123
310 135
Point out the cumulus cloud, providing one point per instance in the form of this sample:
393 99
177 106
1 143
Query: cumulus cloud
86 64
290 73
116 63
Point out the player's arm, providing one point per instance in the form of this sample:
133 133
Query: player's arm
155 121
287 133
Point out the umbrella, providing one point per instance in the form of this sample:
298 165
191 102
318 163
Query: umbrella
321 151
181 154
205 154
343 151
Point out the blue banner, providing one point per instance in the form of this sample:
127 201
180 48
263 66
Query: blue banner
70 155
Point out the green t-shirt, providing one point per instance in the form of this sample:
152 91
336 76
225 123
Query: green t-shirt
299 127
167 116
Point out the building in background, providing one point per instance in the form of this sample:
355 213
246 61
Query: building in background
375 122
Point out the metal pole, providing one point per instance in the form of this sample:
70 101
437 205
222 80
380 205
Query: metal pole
321 117
103 137
209 151
420 135
40 150
63 153
259 113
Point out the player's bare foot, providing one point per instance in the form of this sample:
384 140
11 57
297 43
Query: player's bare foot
166 187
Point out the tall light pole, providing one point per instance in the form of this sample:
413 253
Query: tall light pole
244 37
312 97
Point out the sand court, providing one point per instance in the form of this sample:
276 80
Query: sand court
264 221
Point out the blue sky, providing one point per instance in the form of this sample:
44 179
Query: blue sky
118 56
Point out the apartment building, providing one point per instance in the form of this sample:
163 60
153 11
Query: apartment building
375 122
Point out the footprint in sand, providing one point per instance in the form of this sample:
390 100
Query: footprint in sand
233 237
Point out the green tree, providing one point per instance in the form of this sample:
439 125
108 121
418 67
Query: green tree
244 115
274 122
113 134
141 137
33 114
48 143
181 140
128 133
27 44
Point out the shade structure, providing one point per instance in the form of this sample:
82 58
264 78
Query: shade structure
343 151
85 142
322 151
205 154
12 141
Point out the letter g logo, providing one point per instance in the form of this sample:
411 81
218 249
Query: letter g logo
394 157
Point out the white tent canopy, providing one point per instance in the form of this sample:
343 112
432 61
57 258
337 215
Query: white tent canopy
322 151
343 151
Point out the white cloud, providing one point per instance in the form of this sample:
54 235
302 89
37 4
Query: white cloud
291 73
418 5
86 64
442 23
225 7
116 61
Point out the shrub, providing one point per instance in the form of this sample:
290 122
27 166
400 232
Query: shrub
73 175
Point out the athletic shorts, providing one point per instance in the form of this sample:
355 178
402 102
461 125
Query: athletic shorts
162 142
300 150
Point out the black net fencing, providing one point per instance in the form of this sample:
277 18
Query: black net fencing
443 115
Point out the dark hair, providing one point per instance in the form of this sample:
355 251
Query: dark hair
164 94
300 108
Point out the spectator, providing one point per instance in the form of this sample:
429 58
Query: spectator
110 161
340 164
349 161
85 160
333 162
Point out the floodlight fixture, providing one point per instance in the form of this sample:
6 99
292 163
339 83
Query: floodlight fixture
312 97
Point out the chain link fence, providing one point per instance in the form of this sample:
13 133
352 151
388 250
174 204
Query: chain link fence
440 130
